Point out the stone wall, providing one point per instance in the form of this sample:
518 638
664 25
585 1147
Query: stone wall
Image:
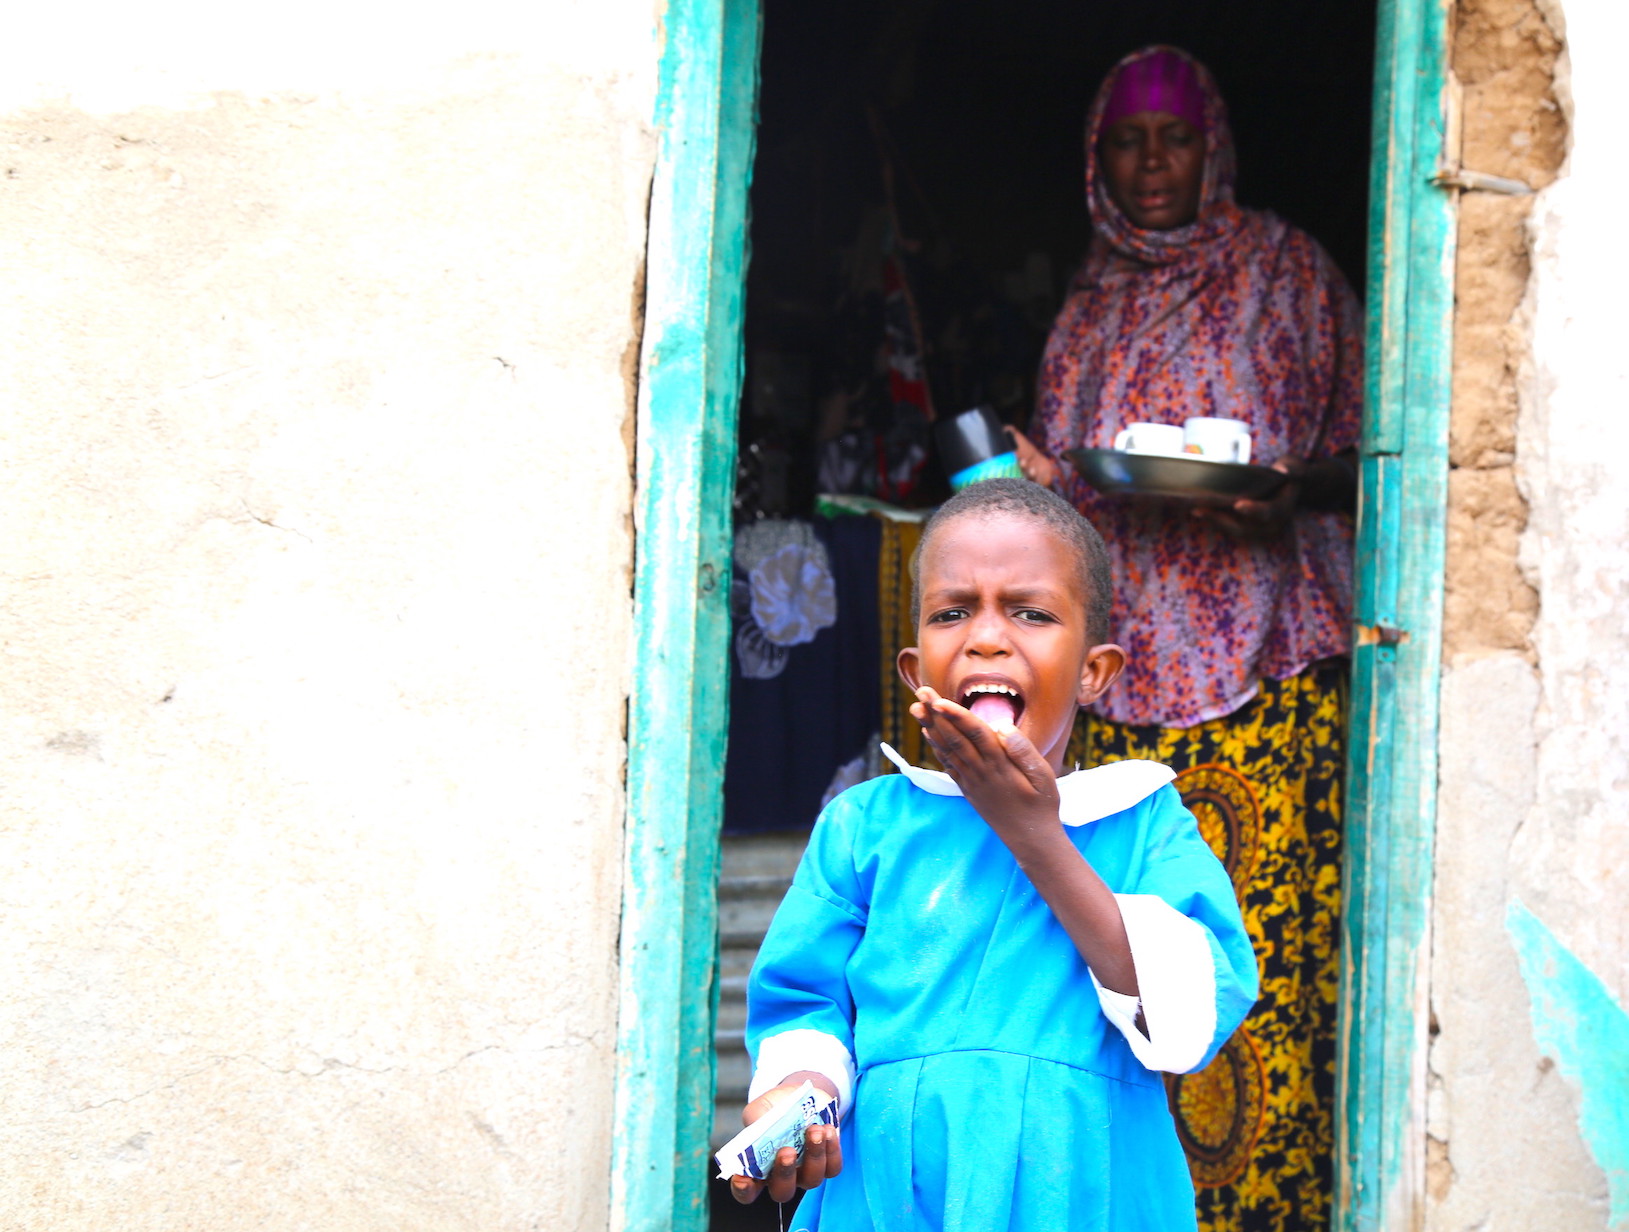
316 560
1531 925
1504 56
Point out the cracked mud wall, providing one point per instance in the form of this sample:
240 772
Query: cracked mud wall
1533 811
316 563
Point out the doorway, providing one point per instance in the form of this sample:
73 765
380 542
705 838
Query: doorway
941 141
1407 238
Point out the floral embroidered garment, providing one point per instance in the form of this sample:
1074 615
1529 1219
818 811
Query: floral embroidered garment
1240 315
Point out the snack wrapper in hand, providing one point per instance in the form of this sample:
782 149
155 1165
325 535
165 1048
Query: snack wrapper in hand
752 1151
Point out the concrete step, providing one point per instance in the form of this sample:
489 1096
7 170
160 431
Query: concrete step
755 872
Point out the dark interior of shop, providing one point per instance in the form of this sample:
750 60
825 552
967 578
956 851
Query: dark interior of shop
972 114
978 110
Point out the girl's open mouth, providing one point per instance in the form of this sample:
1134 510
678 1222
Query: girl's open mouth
999 705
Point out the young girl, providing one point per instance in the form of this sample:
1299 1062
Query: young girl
988 967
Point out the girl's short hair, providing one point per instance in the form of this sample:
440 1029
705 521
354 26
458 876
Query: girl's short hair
1022 498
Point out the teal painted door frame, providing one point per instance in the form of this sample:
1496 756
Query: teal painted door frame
691 366
1397 663
690 380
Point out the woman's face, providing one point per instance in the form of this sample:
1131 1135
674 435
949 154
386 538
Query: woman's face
1153 163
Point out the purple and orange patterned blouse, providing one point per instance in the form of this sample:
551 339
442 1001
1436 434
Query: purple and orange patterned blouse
1237 314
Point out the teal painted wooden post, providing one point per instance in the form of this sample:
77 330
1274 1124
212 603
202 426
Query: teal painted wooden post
689 388
1391 799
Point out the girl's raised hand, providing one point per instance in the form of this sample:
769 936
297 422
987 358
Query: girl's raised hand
1002 774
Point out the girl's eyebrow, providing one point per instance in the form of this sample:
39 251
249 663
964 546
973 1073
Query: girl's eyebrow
1031 592
957 593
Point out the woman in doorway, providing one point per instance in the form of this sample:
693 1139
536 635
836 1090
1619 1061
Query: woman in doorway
1238 618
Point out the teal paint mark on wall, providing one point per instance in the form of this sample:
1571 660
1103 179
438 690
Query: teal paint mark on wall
1576 1021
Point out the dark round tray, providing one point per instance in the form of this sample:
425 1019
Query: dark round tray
1115 473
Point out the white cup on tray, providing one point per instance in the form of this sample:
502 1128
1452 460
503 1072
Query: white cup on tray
1163 440
1216 440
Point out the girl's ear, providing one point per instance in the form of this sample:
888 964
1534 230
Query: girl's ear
909 662
1102 668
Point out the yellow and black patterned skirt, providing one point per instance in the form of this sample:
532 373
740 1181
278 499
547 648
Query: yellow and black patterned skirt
1265 784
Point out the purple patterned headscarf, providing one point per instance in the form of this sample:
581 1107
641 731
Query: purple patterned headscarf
1161 80
1218 216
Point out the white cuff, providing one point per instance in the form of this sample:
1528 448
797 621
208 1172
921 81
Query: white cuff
1176 984
1120 1008
804 1048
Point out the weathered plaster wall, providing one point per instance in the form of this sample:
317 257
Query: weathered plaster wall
315 563
1504 56
1533 828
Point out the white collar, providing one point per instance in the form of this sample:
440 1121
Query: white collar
1083 796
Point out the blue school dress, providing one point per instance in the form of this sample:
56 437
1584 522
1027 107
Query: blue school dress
987 1081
